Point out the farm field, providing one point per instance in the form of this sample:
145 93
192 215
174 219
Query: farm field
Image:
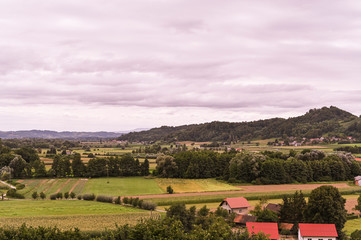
352 225
194 185
67 214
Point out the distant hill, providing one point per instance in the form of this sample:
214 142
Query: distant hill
326 121
53 134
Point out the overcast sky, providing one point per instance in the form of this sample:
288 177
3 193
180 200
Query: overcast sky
118 65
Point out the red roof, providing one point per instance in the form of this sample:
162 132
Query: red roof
358 159
270 229
237 202
318 230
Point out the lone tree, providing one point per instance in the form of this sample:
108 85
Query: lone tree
326 205
34 195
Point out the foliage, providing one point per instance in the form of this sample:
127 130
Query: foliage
356 235
89 197
170 189
53 196
66 195
358 206
35 195
42 195
103 198
326 205
148 205
14 194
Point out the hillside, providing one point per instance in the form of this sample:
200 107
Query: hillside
315 123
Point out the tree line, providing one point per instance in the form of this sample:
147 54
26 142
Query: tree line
260 168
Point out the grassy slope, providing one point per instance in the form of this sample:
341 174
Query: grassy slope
123 186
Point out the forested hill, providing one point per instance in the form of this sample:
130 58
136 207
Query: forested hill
330 121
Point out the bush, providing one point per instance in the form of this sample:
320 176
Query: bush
12 193
20 186
59 195
118 200
42 195
135 202
130 201
53 196
125 200
66 195
35 195
140 203
170 189
89 197
72 195
147 205
103 198
285 232
79 197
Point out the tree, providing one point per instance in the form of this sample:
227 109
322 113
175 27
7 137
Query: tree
18 164
72 195
292 209
264 214
144 168
28 154
170 189
166 167
77 166
326 205
42 195
34 195
39 168
180 212
66 195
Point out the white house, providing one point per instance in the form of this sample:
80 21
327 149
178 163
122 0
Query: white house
358 180
315 231
238 205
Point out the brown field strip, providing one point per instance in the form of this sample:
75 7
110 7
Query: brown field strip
74 185
52 183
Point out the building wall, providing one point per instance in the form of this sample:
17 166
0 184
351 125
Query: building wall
313 238
235 210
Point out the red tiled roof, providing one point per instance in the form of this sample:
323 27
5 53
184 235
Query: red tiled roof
318 230
358 159
287 226
270 229
237 202
243 219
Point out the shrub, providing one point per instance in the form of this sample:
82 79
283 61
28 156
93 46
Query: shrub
35 195
147 205
42 195
59 195
89 197
66 195
135 202
170 189
72 195
103 198
79 197
118 200
130 201
53 196
125 200
20 186
12 193
140 203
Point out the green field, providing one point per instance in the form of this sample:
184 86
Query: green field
352 225
66 214
123 186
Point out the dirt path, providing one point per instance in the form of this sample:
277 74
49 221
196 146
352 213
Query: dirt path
250 189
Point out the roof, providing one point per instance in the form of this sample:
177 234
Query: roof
274 207
243 219
236 202
358 159
270 229
318 230
287 226
357 178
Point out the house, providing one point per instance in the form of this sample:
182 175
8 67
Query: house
238 205
358 180
274 207
269 229
243 219
315 231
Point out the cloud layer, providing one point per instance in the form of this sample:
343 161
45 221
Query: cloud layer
114 65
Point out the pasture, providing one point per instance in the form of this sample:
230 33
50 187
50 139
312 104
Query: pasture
66 214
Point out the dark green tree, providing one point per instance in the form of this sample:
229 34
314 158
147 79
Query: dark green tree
77 166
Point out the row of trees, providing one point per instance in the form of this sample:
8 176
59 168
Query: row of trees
262 168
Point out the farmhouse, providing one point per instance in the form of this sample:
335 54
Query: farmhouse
311 231
238 205
274 207
358 180
243 219
269 229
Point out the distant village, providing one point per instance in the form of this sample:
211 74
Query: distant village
293 141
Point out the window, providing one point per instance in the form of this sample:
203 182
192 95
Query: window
320 239
309 239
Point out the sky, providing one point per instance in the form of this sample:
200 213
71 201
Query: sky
119 65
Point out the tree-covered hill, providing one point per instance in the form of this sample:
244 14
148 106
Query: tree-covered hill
326 121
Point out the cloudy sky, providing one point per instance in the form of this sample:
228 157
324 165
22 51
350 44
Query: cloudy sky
117 65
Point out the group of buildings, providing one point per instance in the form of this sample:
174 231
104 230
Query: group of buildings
306 231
